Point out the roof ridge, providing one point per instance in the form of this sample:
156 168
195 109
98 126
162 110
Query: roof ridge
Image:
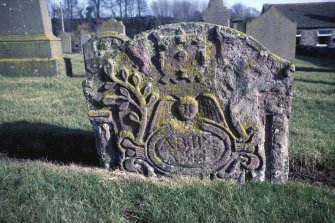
300 3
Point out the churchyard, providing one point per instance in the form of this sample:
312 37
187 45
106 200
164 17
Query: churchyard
44 123
189 122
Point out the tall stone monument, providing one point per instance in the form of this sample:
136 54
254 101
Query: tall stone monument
216 13
193 99
27 45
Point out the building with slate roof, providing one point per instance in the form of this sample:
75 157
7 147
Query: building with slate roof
315 22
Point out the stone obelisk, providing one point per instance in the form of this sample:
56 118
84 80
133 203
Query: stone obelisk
216 13
27 45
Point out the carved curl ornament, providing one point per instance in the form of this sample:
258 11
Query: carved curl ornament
156 109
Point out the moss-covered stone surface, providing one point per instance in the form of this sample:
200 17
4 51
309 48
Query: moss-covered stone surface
191 99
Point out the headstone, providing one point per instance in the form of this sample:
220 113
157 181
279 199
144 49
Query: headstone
66 42
113 25
99 48
103 44
27 45
193 99
216 13
83 39
275 31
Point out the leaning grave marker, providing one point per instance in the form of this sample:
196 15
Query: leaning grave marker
83 39
193 99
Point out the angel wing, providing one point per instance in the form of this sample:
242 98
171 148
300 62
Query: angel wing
162 113
209 108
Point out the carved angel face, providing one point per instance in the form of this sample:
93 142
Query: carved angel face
187 108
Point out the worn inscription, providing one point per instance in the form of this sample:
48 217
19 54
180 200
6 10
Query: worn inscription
190 99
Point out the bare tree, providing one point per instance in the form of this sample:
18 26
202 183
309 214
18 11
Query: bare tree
126 4
119 4
183 9
55 10
155 8
69 7
96 5
141 7
129 6
252 12
110 7
202 6
161 8
240 10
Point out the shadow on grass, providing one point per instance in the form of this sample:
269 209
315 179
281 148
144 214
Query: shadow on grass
314 69
316 64
26 140
314 82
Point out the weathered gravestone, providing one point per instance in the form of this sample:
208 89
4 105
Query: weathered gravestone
99 48
114 26
216 13
193 99
83 39
27 45
66 42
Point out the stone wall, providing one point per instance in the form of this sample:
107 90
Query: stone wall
276 32
309 37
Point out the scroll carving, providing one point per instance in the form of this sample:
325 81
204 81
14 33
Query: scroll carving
189 112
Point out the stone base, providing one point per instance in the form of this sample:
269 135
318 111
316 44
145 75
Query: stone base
31 55
32 67
34 46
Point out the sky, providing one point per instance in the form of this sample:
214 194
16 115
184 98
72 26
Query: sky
258 4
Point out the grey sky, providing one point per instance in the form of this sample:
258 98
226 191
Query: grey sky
259 3
250 3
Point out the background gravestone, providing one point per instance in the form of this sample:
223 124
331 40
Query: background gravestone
83 39
103 44
193 99
216 13
99 48
66 42
275 31
113 25
27 45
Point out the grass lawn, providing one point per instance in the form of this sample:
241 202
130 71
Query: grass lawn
46 118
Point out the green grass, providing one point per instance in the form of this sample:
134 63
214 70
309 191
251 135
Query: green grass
46 118
312 125
315 63
37 192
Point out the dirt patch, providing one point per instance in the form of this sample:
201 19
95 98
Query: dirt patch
313 176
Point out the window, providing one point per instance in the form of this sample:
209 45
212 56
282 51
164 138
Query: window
324 37
298 37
